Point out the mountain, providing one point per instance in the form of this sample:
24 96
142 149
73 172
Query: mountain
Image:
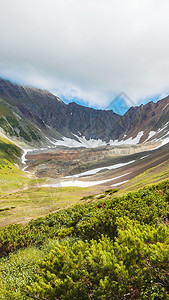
37 117
152 119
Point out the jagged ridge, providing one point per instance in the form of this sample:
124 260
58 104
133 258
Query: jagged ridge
39 108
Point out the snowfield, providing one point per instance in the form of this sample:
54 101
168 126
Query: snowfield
95 171
83 184
81 141
92 143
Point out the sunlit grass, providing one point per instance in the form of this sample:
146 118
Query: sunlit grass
16 270
149 177
34 202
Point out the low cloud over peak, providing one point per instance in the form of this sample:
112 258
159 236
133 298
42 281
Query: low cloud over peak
92 50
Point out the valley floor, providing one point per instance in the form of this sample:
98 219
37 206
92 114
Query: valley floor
27 197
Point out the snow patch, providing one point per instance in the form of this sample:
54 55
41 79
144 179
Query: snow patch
151 134
163 142
38 128
129 141
79 183
122 182
23 157
165 106
161 129
145 156
94 171
17 115
81 141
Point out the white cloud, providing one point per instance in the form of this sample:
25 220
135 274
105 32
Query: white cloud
87 49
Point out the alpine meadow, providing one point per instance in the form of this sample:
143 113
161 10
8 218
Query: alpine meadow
84 150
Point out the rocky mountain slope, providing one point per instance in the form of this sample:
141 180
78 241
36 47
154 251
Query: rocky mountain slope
37 117
152 117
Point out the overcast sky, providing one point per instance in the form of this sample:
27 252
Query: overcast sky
88 49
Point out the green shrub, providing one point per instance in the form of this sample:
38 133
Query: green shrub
89 221
101 197
136 266
115 248
111 191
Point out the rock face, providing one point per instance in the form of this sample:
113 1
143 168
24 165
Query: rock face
149 117
40 109
44 108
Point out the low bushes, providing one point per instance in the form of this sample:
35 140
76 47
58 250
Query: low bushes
148 206
134 267
115 248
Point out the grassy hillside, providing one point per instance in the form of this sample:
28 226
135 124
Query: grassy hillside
11 176
8 150
34 202
150 176
115 248
20 200
15 125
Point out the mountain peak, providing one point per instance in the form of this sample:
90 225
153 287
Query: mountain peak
45 110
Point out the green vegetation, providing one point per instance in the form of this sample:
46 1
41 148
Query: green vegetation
5 109
106 246
11 180
111 191
18 189
33 135
115 248
6 208
12 126
150 176
8 151
107 270
6 127
7 120
33 202
11 177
